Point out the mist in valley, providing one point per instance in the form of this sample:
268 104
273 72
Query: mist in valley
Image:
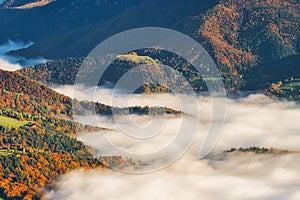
254 120
13 62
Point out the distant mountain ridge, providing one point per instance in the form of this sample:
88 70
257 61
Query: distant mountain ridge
244 37
80 25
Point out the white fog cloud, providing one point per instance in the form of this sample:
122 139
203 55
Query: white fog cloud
118 98
191 179
6 65
255 120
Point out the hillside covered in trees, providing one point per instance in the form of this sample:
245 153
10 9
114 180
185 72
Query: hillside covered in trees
38 138
249 36
254 43
23 94
64 71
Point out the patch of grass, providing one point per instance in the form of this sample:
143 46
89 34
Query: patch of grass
11 122
137 59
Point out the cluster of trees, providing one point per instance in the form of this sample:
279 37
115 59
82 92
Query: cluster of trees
103 109
288 89
257 150
61 72
23 173
22 94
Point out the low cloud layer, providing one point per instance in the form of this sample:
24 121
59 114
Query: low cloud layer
237 177
13 63
255 120
106 95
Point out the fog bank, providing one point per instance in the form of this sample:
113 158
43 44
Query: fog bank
237 177
254 120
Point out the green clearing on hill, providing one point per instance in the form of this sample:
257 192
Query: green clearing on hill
11 122
137 59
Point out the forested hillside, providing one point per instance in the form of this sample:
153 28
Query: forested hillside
36 143
22 94
25 95
247 35
33 153
64 71
38 139
247 39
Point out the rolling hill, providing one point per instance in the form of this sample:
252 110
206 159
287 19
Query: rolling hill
245 38
64 71
83 24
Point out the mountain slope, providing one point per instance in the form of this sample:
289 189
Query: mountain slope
80 39
56 18
33 154
20 93
242 36
64 71
37 145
